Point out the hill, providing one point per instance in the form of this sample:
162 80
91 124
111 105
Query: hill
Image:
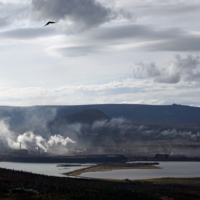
152 114
37 118
86 116
52 188
103 128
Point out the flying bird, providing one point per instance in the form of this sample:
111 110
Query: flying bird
50 22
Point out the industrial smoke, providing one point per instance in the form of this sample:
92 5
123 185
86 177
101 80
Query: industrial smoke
29 140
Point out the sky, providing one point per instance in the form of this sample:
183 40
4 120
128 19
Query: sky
135 52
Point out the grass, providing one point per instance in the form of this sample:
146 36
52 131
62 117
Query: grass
179 181
60 188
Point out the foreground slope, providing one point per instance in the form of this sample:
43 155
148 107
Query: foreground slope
74 189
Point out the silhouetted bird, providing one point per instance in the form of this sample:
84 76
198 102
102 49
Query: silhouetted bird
50 22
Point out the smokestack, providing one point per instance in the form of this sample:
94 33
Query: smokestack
20 145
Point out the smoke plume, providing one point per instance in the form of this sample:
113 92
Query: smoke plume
105 134
29 140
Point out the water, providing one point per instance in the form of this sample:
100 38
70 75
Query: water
167 169
41 168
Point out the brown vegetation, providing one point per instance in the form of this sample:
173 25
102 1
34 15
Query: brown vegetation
56 188
113 166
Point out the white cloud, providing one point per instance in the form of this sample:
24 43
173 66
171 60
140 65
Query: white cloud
129 37
44 65
27 33
180 69
12 12
127 90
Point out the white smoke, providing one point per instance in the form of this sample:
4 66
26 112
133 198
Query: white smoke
119 123
30 141
7 137
173 133
104 130
59 140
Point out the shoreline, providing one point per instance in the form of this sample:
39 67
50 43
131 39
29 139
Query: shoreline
113 166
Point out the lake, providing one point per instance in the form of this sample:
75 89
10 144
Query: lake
42 168
167 169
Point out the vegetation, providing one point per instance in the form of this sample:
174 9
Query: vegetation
68 188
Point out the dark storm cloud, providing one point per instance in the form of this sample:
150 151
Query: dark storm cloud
27 33
180 69
82 14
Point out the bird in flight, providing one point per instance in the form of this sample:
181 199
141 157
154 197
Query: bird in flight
50 22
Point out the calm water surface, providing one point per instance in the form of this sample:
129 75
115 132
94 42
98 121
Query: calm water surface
167 169
41 168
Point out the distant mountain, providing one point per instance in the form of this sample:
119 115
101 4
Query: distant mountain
153 114
37 118
78 123
86 116
105 126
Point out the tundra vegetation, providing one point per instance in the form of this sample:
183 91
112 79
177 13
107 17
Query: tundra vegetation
50 187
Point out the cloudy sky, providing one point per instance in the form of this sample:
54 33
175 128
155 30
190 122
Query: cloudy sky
144 52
